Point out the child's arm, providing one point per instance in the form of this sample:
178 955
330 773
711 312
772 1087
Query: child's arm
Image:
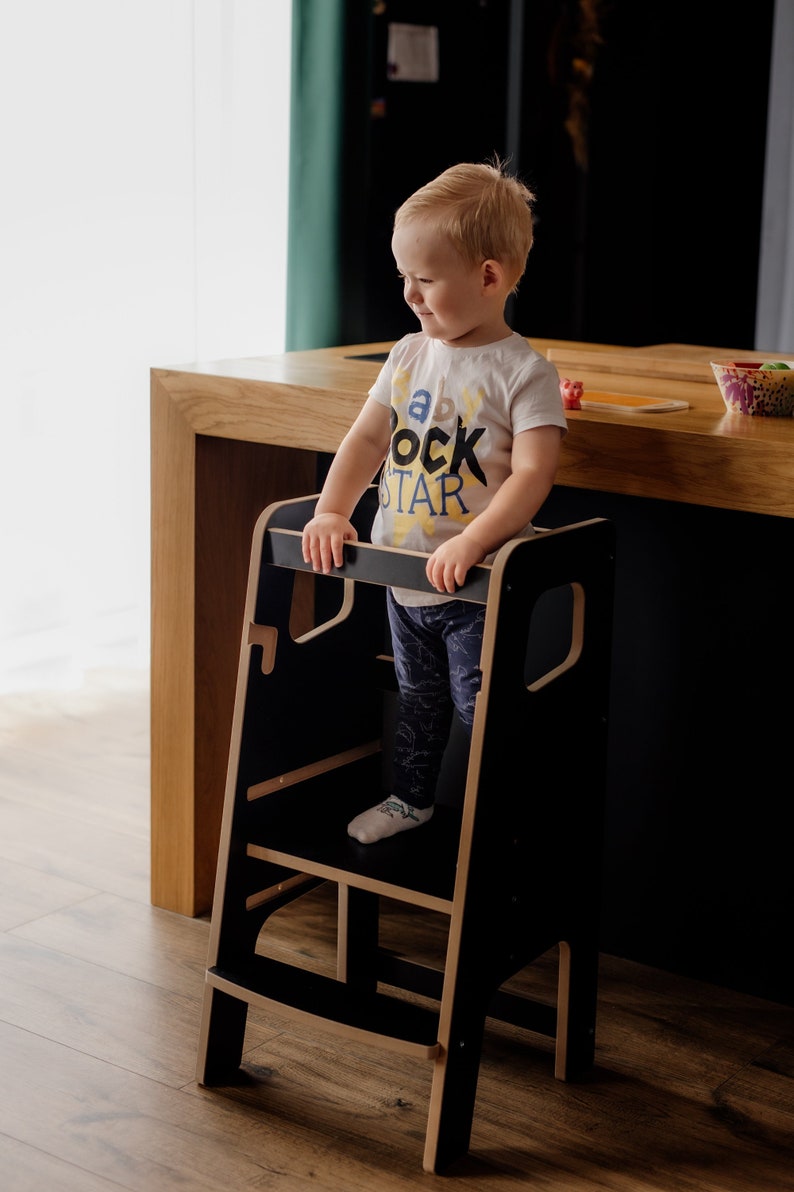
355 464
534 462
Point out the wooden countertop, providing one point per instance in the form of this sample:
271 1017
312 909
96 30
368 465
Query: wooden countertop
703 454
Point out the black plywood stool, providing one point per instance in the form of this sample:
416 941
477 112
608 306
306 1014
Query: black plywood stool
516 865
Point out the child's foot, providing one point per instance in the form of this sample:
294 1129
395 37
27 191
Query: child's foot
387 819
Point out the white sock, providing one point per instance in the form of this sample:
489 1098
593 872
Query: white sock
387 819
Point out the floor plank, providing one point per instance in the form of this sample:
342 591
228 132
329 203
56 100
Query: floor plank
27 894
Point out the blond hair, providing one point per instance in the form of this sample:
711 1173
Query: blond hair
485 213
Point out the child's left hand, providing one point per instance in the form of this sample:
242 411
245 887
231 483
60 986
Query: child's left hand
449 565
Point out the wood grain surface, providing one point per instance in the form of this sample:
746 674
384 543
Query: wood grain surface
99 1017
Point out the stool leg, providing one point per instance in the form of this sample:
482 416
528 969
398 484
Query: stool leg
221 1037
357 936
454 1087
576 1008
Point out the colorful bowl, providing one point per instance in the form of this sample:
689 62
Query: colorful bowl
747 388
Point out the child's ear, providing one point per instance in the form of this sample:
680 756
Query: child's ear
493 275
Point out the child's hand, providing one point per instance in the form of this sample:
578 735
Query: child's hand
448 566
323 541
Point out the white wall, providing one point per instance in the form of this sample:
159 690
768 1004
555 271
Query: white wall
143 214
775 313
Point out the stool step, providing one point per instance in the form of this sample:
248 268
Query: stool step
346 875
332 1005
309 835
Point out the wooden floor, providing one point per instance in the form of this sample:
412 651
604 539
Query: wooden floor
99 1014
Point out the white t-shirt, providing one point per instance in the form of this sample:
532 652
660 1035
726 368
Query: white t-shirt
455 413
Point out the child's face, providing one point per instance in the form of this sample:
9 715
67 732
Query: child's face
453 300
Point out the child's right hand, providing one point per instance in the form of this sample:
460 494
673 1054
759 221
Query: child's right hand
323 541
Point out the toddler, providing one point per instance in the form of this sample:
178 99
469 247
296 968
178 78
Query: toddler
464 423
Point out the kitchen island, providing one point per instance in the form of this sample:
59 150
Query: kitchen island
703 501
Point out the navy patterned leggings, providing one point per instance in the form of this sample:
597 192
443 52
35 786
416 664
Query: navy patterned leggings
437 651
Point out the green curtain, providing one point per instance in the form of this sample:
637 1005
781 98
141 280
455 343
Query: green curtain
315 183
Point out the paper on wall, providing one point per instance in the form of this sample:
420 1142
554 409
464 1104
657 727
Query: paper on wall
412 54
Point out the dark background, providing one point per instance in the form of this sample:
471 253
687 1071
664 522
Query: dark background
655 238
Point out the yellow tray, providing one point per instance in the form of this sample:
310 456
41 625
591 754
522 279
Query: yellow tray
629 403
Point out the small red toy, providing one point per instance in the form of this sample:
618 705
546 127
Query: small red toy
571 392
